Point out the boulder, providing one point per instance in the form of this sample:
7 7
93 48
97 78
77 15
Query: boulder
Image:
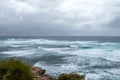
37 71
39 74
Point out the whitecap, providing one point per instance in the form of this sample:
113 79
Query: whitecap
18 53
74 46
57 69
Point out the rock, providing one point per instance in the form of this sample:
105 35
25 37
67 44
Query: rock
38 71
39 74
44 78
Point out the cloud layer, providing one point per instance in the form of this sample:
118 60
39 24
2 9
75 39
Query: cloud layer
60 17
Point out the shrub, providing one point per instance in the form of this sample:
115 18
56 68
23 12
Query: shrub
15 70
3 69
71 76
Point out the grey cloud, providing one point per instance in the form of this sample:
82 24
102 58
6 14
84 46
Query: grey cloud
115 23
45 17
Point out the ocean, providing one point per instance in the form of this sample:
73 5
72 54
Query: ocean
96 57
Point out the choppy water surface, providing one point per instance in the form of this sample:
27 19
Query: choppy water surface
99 60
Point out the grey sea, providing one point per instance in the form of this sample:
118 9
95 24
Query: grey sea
96 57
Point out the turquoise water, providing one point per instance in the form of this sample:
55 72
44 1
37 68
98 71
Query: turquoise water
97 57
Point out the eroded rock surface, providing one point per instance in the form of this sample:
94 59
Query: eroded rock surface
39 74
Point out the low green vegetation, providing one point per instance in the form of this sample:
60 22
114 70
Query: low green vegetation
71 76
15 70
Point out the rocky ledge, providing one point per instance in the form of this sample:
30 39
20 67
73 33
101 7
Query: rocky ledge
39 74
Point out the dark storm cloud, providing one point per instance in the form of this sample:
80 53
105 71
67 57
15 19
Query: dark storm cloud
115 23
59 17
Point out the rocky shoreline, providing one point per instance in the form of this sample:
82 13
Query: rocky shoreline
39 74
13 69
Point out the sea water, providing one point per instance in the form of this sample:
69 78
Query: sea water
96 57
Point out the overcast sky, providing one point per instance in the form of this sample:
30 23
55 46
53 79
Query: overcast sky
59 17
